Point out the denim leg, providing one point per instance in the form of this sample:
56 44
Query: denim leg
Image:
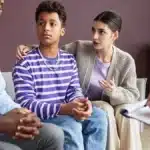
95 130
72 131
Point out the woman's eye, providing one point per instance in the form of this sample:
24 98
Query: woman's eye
101 32
53 24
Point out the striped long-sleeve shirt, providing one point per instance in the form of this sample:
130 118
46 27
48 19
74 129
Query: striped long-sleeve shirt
42 87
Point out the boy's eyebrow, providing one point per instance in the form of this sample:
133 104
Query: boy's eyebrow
41 19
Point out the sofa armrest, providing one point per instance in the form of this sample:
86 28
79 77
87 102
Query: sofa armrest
141 85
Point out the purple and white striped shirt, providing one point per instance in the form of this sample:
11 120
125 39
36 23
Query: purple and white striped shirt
42 87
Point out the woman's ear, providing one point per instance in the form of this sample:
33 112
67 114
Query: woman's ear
115 35
63 31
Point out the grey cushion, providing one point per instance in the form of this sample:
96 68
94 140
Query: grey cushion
141 85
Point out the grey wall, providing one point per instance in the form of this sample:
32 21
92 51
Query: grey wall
17 26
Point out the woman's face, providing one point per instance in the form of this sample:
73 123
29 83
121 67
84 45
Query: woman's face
1 6
102 35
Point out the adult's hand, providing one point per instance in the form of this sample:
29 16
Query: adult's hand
22 51
28 126
107 85
24 126
24 111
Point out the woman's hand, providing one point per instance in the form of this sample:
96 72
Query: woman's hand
107 85
22 51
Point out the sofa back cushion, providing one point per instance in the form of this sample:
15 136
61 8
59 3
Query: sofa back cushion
141 84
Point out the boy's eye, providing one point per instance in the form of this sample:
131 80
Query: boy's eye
41 23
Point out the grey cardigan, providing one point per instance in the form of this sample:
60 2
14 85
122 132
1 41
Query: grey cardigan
122 69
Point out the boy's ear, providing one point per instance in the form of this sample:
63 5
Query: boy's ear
63 31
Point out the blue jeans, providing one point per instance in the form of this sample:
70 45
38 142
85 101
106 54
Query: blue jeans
84 135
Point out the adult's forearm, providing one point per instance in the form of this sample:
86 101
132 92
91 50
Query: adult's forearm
4 124
123 96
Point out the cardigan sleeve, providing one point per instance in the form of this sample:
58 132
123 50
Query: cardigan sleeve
127 91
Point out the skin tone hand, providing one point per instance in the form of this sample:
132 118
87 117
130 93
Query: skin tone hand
21 111
28 126
66 109
83 114
107 85
22 51
30 118
21 128
25 124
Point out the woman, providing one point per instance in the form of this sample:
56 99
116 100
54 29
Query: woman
108 77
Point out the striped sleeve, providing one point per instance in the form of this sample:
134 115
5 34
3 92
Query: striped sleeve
74 90
26 95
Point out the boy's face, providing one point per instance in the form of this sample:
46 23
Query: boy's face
49 28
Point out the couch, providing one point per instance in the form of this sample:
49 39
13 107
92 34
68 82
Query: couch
141 84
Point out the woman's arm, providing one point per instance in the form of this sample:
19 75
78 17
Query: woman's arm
22 50
127 91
